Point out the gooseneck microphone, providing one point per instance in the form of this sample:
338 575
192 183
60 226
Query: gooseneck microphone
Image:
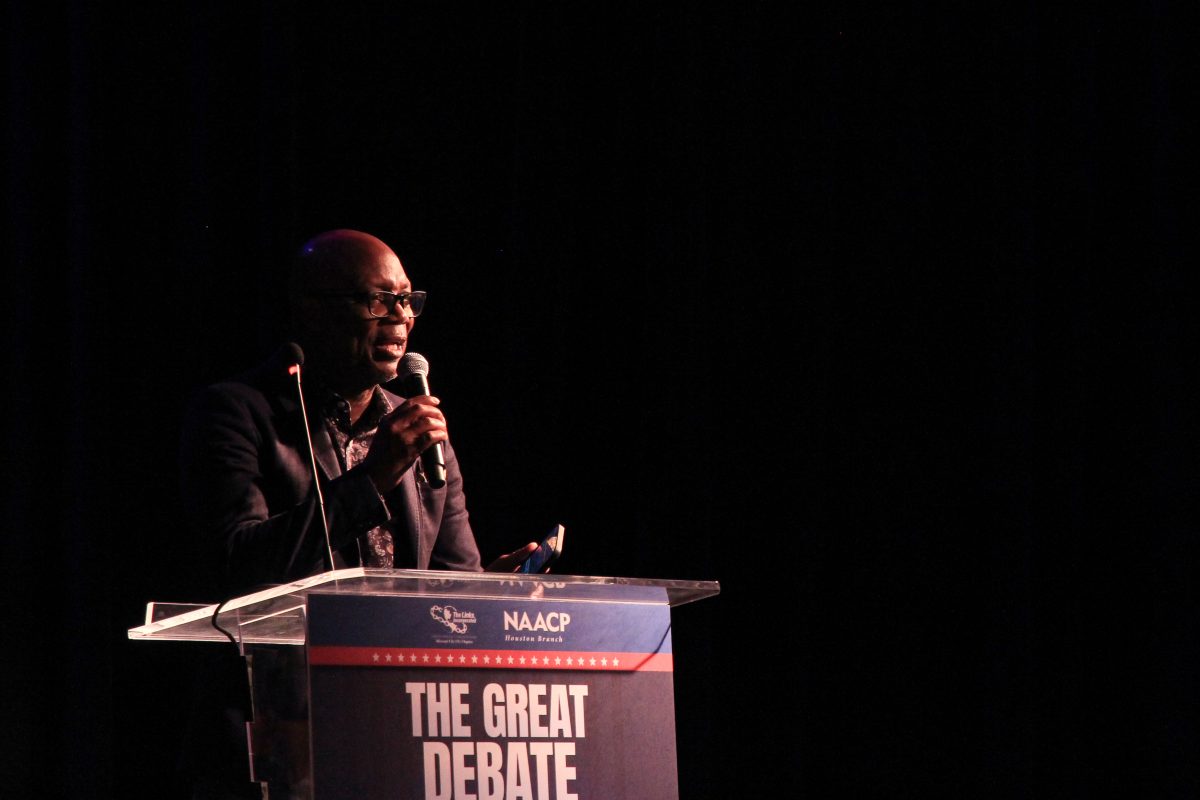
414 378
294 357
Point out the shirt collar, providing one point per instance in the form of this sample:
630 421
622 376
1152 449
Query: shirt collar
336 409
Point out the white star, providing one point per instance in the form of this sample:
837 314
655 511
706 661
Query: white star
487 659
604 662
425 658
510 659
462 659
557 661
616 661
413 658
375 656
545 659
569 661
522 659
438 658
474 659
593 661
388 658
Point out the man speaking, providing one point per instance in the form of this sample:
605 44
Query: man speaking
285 477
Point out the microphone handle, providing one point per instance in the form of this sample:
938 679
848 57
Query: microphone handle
433 458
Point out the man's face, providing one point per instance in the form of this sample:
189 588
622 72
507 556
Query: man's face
354 349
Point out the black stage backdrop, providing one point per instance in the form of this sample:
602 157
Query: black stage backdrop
877 317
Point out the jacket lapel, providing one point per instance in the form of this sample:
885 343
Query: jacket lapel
324 453
322 443
412 518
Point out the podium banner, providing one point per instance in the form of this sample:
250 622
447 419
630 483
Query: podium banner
461 698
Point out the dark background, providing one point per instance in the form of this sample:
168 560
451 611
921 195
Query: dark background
876 317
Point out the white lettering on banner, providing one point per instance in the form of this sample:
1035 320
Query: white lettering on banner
437 771
521 770
519 620
462 772
503 774
490 765
519 785
515 710
444 707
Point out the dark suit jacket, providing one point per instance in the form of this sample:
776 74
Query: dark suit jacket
247 490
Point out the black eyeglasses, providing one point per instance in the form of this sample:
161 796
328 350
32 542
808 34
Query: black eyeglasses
382 304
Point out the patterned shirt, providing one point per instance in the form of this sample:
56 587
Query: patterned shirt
352 442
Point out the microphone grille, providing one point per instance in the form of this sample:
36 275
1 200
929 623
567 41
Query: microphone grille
292 354
413 364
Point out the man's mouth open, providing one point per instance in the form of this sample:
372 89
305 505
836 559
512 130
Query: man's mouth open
388 348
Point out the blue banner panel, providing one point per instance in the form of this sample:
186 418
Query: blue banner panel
487 624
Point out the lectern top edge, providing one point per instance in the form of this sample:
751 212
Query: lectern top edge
276 614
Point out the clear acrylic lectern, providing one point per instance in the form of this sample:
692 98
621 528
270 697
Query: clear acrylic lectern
372 683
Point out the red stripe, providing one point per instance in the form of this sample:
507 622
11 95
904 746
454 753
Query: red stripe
412 657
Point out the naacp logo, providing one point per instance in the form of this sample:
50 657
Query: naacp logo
457 621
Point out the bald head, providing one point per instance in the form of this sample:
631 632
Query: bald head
334 260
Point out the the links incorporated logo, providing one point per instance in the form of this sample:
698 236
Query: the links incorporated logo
457 621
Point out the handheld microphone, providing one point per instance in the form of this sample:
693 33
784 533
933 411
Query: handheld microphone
294 357
414 375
